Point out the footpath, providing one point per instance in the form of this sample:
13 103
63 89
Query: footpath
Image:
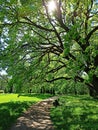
37 117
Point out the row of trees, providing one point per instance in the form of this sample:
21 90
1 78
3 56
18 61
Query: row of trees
8 86
40 45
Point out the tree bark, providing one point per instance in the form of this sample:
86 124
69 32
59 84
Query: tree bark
95 84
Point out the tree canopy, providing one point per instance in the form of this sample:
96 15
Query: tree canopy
40 44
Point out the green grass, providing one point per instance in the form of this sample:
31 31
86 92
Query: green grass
76 113
4 98
12 106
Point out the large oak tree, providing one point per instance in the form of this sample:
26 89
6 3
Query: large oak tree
43 44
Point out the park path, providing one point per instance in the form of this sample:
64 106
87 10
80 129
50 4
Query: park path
37 117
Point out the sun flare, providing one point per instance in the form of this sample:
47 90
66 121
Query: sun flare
51 6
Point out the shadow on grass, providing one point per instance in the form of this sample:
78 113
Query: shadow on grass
76 116
9 112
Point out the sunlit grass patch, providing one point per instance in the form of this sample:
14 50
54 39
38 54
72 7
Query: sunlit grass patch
13 105
22 97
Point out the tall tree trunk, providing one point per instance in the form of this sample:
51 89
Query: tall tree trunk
11 89
95 78
94 89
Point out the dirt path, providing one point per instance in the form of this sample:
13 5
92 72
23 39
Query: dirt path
36 117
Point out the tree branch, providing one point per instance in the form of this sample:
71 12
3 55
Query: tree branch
29 23
37 26
59 78
91 33
56 69
56 33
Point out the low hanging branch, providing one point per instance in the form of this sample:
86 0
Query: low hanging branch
80 79
59 78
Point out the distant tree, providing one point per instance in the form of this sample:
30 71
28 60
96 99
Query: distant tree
45 41
3 82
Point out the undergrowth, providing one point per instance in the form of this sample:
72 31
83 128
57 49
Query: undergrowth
75 113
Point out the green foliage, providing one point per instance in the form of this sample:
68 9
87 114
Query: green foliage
9 112
75 112
39 46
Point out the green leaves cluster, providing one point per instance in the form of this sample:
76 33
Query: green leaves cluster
40 47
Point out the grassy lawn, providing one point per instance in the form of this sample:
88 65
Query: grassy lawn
12 106
76 113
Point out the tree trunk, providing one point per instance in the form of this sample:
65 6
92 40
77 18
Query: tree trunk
11 89
94 90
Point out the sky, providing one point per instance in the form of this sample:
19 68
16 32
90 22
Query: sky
3 72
